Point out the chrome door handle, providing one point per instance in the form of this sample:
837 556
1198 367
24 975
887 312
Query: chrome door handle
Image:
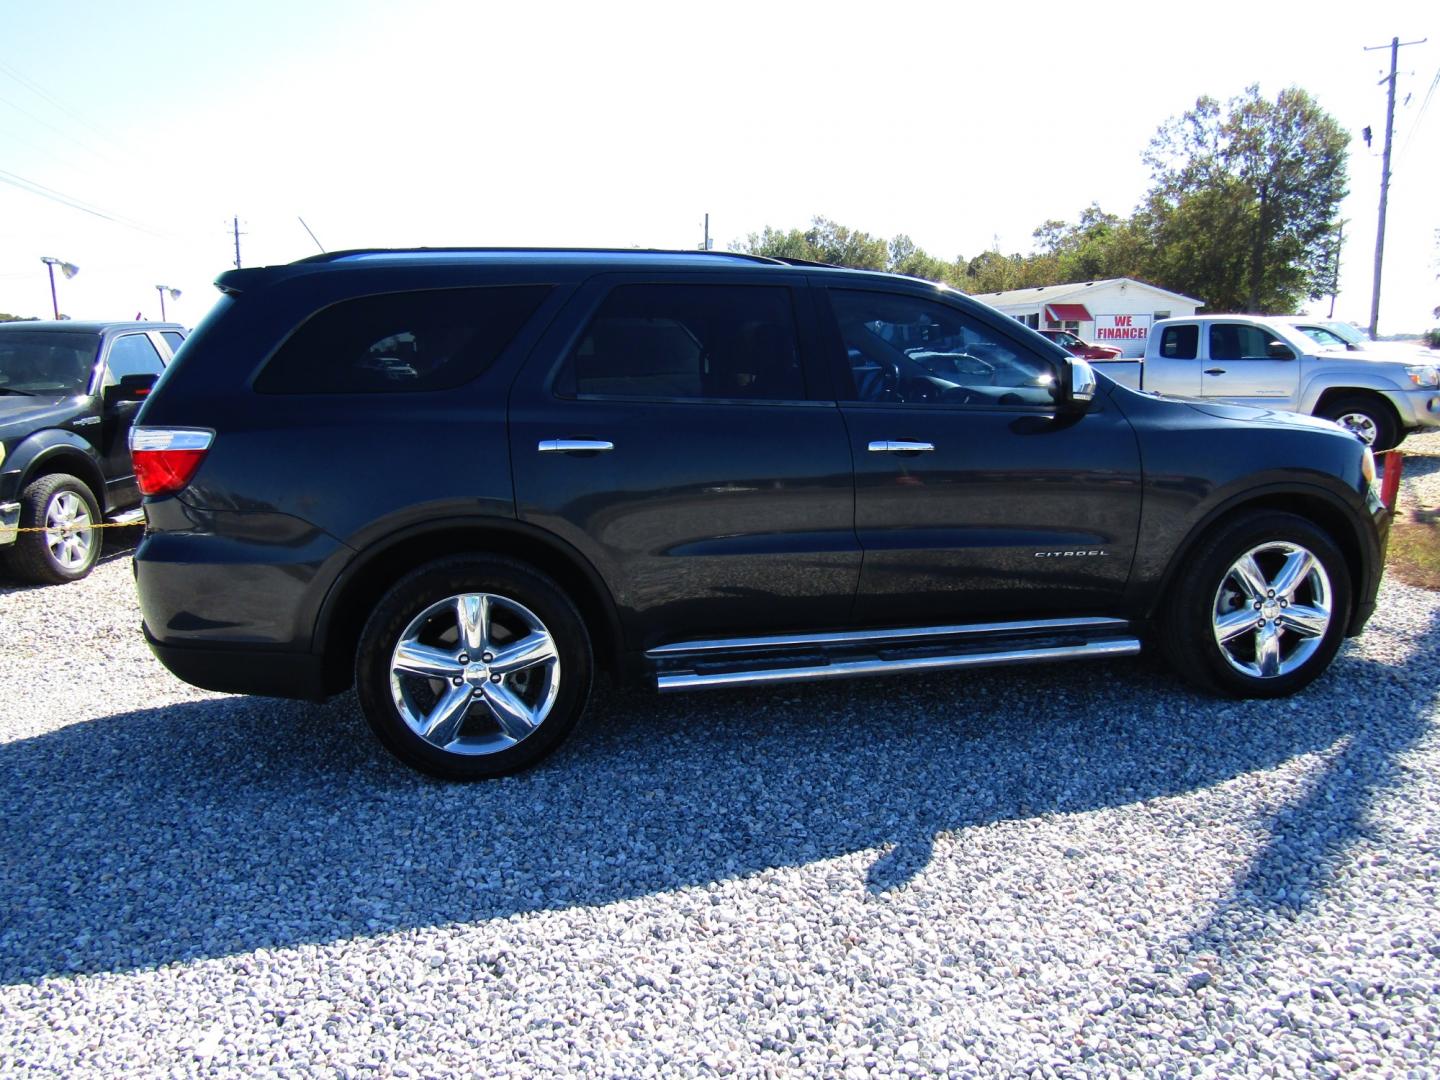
900 446
574 446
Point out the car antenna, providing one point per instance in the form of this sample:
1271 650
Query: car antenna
312 235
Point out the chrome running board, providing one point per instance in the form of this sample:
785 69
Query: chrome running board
782 658
129 517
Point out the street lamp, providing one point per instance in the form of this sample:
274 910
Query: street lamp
162 290
68 269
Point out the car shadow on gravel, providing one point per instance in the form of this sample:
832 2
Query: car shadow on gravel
218 826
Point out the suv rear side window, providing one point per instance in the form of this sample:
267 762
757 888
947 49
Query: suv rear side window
1180 342
435 339
727 342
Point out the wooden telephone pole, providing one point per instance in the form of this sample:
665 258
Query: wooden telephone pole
1395 46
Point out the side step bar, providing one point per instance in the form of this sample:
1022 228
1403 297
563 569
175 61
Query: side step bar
129 517
786 658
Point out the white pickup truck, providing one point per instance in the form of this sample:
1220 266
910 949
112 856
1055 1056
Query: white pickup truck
1269 362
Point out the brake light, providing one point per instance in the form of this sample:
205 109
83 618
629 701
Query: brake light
166 458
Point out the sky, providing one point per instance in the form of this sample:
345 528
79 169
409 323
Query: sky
131 135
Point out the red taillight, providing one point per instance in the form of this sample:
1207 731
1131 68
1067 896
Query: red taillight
166 458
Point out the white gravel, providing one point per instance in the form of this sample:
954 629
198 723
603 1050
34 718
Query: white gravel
1054 872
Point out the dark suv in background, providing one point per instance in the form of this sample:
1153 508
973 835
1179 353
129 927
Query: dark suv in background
462 480
69 392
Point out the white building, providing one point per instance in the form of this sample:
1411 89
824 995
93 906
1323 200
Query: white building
1115 311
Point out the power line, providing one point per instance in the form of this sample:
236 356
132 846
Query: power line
17 181
55 103
1420 116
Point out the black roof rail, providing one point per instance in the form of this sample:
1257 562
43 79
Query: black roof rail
333 256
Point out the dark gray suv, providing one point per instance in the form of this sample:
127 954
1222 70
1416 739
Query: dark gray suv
462 481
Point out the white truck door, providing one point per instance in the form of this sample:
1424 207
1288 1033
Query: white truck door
1245 362
1172 360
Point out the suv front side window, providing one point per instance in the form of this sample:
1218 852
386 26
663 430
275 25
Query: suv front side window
908 350
716 342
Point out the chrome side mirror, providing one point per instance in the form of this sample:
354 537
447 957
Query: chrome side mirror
1082 382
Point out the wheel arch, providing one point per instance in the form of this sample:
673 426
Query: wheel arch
55 451
1339 393
1314 504
361 585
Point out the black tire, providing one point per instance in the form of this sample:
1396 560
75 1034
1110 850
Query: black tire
478 745
33 557
1362 413
1206 592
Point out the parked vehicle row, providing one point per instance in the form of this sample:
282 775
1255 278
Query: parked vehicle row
69 392
462 481
1275 363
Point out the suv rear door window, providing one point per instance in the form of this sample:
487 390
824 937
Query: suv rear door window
435 339
725 342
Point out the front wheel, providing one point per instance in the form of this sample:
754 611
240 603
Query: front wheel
1368 418
61 545
471 667
1262 609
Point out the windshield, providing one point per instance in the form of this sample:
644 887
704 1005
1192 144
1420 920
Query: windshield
1325 337
1346 332
45 364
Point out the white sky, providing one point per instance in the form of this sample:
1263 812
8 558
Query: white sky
387 124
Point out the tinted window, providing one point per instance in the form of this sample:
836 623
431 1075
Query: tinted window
1180 342
904 349
46 364
1240 341
399 342
689 341
172 339
132 354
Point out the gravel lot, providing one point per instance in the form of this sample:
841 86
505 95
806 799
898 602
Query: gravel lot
1057 872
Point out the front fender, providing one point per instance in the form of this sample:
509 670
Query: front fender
1319 384
38 453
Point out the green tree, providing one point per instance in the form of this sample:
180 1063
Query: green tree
5 317
824 241
1245 200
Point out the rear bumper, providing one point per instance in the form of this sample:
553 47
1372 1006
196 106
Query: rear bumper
249 670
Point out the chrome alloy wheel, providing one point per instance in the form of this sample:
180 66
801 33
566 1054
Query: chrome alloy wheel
1359 424
475 673
1272 609
68 535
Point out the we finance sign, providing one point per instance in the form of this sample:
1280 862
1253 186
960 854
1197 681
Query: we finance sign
1127 332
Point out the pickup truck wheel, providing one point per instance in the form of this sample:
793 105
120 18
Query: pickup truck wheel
66 547
1369 418
1262 610
470 668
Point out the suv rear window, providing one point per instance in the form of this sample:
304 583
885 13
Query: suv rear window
435 339
725 342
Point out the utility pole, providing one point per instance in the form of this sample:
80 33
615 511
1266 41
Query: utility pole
236 224
1394 47
706 245
1335 273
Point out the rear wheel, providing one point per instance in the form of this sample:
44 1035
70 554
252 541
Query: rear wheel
1371 420
64 546
473 667
1263 609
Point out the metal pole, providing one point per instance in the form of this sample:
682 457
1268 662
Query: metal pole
161 290
237 243
54 302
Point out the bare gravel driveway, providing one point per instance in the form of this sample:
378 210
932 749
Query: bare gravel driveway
1075 870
